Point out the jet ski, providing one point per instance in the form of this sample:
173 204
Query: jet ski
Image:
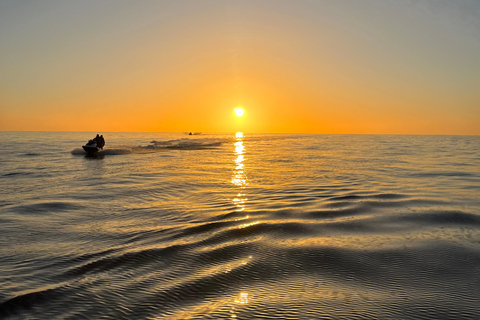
91 147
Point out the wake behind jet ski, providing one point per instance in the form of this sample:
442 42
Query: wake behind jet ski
94 145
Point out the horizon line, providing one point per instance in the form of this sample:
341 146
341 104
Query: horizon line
232 132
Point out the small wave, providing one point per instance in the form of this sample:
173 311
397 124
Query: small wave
26 301
124 260
46 207
381 196
12 174
447 218
31 154
435 174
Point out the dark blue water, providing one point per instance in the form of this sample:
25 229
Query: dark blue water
239 226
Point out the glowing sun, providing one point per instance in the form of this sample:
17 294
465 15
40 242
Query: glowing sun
239 112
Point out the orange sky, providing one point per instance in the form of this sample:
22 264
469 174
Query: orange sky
294 66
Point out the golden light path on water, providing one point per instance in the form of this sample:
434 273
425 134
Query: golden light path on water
239 179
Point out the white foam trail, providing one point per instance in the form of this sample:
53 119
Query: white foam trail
187 143
157 146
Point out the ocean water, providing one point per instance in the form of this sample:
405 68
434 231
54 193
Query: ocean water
239 226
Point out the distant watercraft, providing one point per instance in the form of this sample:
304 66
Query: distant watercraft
91 147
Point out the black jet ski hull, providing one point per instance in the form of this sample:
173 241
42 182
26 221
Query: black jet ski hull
90 149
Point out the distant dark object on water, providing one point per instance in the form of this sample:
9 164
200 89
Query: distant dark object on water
94 145
194 133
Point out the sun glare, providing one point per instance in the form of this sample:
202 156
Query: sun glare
239 112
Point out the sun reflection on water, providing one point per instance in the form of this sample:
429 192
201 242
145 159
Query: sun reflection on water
239 177
243 298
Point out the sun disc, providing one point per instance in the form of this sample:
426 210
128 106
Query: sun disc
239 112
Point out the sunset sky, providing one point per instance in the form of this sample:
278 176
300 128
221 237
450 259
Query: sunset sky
299 66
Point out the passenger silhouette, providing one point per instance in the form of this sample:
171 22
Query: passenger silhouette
102 142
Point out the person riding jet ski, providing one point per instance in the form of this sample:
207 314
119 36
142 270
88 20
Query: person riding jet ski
94 145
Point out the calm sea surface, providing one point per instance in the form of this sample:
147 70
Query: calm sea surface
222 226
